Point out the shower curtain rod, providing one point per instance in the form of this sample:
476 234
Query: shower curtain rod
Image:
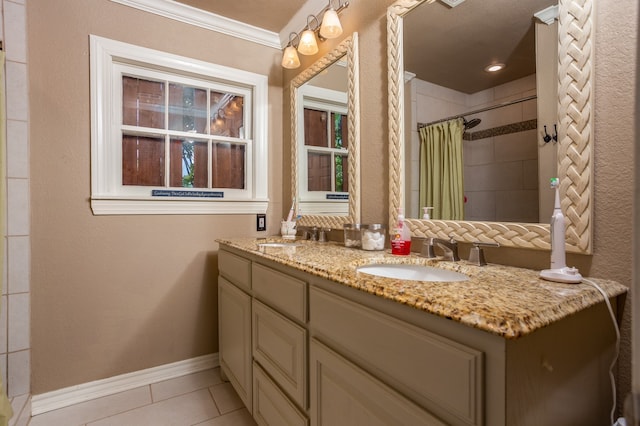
504 104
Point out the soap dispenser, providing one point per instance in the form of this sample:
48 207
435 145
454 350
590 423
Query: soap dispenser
425 212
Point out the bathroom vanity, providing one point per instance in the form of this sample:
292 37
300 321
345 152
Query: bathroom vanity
306 339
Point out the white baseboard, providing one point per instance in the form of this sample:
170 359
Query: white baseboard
87 391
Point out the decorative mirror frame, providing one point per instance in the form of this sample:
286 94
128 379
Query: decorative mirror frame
349 48
575 138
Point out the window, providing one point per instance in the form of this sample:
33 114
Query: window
173 135
324 152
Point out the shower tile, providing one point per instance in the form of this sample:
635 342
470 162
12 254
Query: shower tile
17 207
19 368
19 314
530 174
515 88
517 206
17 149
17 94
516 146
18 256
3 370
481 205
479 152
3 328
15 35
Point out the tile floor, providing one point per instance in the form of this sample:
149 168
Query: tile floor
199 399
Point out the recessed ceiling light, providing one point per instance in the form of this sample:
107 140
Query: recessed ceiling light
494 67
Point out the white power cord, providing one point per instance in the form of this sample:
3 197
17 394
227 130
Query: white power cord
617 352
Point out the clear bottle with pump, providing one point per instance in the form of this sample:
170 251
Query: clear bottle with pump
401 237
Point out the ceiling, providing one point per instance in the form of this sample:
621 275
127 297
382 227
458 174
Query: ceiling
451 47
272 15
447 46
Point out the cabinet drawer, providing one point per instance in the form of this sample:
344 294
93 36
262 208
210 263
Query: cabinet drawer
440 374
235 269
279 346
286 294
270 405
343 394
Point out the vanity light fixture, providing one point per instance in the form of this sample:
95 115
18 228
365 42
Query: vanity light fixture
308 38
290 58
331 26
494 67
308 44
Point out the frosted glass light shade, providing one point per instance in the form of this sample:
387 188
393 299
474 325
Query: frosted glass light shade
290 58
308 44
331 27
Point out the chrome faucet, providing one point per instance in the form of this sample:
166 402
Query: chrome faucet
309 232
450 248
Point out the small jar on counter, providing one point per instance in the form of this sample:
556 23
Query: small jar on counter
352 235
373 237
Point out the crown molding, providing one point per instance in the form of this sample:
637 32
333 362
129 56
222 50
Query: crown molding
210 21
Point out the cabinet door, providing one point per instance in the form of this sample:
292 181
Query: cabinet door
343 394
234 323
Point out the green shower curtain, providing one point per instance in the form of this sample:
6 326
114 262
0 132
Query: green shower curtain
5 405
441 169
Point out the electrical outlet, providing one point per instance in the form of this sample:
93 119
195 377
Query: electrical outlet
261 224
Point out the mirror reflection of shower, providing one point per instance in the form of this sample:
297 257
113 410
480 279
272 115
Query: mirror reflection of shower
471 123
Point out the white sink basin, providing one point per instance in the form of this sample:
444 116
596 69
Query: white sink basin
412 272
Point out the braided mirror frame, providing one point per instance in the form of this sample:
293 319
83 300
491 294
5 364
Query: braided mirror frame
575 138
348 47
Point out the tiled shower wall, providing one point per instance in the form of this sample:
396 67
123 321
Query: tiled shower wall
501 178
15 345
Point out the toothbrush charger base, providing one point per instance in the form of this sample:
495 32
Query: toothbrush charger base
562 275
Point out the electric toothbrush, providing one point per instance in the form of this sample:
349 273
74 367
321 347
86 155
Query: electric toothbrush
559 271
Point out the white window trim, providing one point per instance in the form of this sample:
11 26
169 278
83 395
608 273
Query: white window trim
315 202
105 199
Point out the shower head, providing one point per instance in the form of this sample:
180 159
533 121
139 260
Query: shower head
471 123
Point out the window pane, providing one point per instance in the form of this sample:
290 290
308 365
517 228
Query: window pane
339 131
187 108
227 115
318 172
189 165
228 164
342 173
315 128
142 102
142 161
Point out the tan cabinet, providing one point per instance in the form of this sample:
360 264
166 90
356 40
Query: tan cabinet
302 350
234 315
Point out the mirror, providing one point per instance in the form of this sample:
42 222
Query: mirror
574 149
325 174
504 163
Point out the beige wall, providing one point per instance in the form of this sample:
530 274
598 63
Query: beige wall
118 294
616 31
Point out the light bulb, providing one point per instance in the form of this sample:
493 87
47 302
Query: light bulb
290 58
308 44
331 27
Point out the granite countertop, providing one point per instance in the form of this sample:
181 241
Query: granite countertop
507 301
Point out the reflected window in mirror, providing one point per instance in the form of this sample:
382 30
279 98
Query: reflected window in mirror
324 143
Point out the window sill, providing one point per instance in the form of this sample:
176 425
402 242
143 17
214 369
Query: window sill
175 206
